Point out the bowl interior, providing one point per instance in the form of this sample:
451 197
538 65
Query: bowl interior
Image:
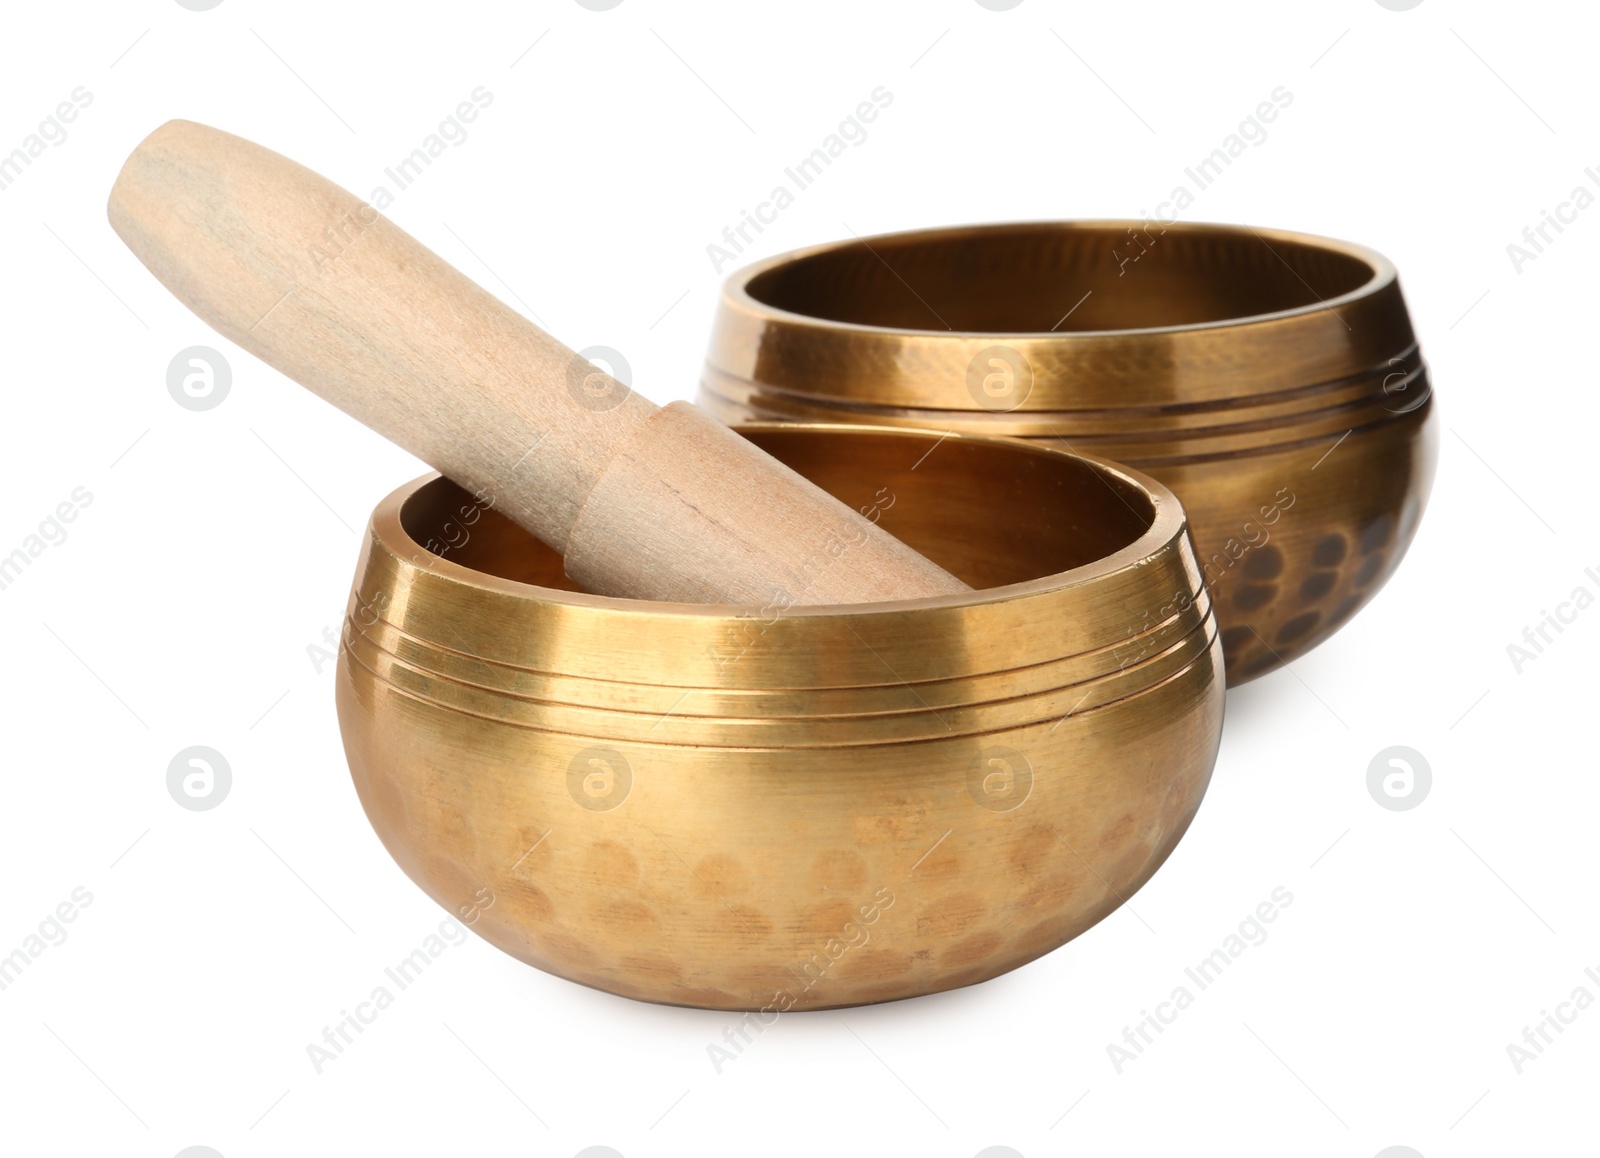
1061 277
992 512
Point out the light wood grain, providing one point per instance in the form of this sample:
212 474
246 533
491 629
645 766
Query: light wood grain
680 500
321 286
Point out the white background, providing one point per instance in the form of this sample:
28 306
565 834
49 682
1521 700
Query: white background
219 545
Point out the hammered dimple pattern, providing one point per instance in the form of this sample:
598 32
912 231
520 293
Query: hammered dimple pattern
1248 370
813 830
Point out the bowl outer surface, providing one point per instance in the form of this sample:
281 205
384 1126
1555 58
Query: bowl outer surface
1301 437
848 834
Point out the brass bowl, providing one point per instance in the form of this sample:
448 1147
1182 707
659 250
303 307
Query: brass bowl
1271 379
769 808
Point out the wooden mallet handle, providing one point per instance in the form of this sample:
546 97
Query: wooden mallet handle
643 501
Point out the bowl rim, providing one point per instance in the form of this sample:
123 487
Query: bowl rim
736 288
1168 523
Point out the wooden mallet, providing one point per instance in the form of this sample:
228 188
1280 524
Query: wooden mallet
643 501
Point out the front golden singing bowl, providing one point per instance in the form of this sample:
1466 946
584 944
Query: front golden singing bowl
1271 379
788 808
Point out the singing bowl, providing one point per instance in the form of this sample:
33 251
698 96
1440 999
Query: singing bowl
1271 379
792 807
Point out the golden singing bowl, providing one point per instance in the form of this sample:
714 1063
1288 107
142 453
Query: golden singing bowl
1271 379
789 808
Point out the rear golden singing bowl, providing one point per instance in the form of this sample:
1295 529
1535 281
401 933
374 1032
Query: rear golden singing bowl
787 808
1271 379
